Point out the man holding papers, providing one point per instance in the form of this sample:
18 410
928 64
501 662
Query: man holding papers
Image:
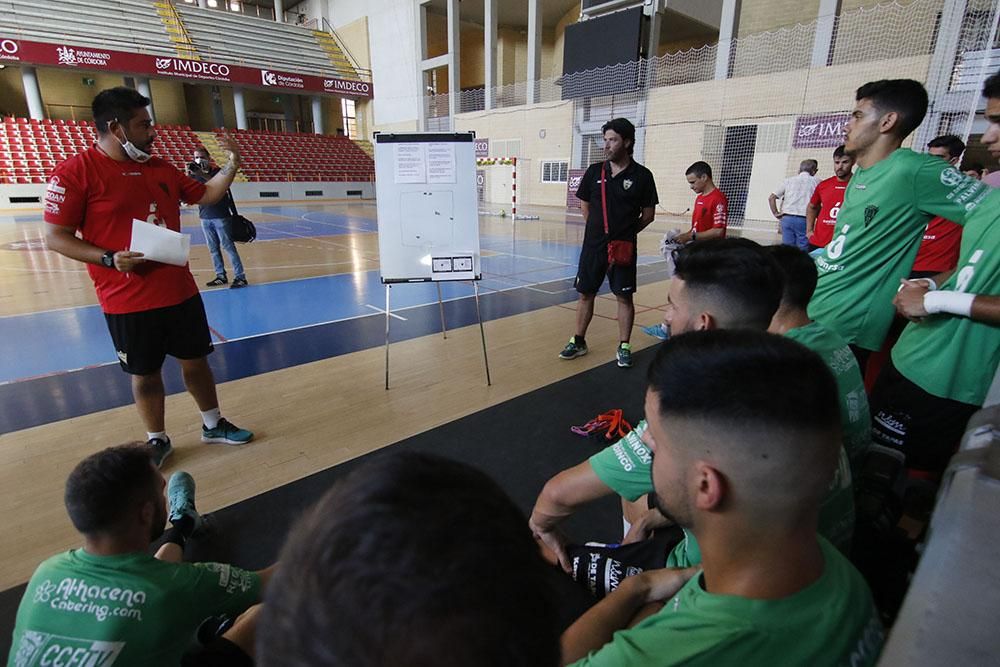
152 308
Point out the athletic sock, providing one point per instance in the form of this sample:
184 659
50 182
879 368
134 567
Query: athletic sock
162 435
180 531
579 340
211 418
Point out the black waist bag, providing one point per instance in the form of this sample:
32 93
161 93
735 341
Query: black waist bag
240 229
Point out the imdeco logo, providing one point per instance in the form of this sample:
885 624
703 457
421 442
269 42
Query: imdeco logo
195 68
9 49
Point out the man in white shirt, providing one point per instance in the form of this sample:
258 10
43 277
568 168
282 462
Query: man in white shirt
794 193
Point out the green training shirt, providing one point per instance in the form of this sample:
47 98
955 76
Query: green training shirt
830 622
855 418
131 609
879 229
951 356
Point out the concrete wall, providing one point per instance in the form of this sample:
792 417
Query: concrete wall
528 124
392 46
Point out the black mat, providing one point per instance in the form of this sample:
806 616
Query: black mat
521 443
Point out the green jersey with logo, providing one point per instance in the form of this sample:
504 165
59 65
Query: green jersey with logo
855 418
131 609
626 466
951 356
831 622
879 229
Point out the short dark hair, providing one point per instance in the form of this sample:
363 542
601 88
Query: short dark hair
908 98
413 560
105 486
775 400
991 88
839 152
743 375
736 276
699 169
116 103
799 272
950 142
972 165
624 128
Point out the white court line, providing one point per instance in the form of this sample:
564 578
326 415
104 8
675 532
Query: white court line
379 310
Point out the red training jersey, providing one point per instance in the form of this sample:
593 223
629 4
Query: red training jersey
99 196
939 249
710 211
829 196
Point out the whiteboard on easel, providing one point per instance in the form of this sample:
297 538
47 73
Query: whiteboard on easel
428 214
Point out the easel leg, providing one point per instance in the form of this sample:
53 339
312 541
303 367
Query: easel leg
444 330
387 337
482 334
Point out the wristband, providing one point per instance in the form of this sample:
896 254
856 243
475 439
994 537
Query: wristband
955 303
694 234
931 285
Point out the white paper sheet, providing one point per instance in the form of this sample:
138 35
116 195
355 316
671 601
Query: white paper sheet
410 165
441 162
160 244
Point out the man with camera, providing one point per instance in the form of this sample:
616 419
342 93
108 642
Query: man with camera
213 223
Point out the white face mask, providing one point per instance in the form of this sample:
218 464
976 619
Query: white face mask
134 153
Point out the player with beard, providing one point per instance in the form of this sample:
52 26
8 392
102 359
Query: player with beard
827 198
744 431
110 601
618 200
152 309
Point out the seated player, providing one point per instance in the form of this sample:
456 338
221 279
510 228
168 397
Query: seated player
110 601
413 560
744 434
792 321
624 467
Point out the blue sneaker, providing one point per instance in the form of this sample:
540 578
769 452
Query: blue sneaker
180 499
657 331
161 449
227 433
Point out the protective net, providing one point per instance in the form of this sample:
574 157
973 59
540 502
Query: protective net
753 107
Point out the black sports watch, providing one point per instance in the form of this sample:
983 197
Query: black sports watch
108 259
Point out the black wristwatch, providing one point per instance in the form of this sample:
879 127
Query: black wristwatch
108 259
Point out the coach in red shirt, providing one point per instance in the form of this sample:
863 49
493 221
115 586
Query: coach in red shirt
821 214
152 309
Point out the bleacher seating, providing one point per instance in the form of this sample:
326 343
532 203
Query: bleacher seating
278 156
30 149
223 36
124 25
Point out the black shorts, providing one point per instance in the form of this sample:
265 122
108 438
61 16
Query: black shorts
926 428
601 567
144 339
594 267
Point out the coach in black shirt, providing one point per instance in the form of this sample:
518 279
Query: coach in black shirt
631 199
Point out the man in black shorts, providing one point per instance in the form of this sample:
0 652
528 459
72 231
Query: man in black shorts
629 208
152 309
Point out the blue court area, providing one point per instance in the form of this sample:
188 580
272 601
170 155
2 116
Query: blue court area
52 342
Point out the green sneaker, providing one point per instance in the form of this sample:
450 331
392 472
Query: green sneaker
573 349
226 433
180 499
625 355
